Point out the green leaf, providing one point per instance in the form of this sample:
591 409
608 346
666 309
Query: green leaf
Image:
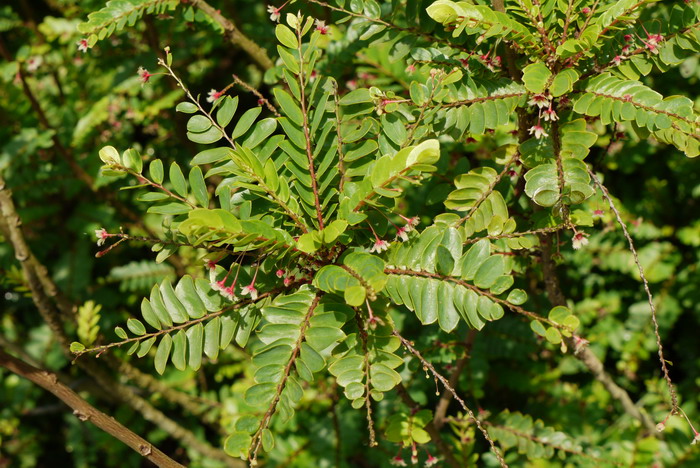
195 341
198 186
179 349
245 122
356 96
186 107
355 296
212 332
136 327
76 347
205 138
198 124
177 178
225 112
237 444
536 77
119 331
288 105
286 36
163 353
155 170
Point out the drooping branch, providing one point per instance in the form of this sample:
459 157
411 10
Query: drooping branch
583 353
650 298
84 411
427 365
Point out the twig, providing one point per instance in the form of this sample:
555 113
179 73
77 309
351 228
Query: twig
650 298
427 365
584 354
305 126
261 99
366 365
84 411
234 35
431 429
446 397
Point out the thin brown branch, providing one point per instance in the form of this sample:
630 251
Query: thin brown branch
261 99
427 365
432 429
446 397
650 298
84 411
307 135
583 353
366 368
265 422
234 35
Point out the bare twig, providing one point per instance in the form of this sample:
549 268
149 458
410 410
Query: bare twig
650 298
584 354
261 99
427 365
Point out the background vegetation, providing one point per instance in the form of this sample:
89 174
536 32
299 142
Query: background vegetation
63 100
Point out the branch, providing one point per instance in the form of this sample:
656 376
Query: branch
427 365
431 429
10 226
305 125
446 397
85 411
584 354
234 35
650 298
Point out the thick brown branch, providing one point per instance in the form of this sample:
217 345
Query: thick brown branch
234 35
85 411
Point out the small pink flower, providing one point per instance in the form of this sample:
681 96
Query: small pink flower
539 100
351 84
470 140
144 76
617 60
102 236
83 45
218 285
598 213
411 68
628 37
33 63
379 246
625 49
210 264
431 461
214 95
288 280
661 426
274 12
579 240
279 273
696 438
413 222
538 131
229 293
398 461
321 27
512 173
465 62
550 115
402 233
250 289
586 11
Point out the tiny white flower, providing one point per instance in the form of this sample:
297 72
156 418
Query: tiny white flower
538 131
379 246
579 240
